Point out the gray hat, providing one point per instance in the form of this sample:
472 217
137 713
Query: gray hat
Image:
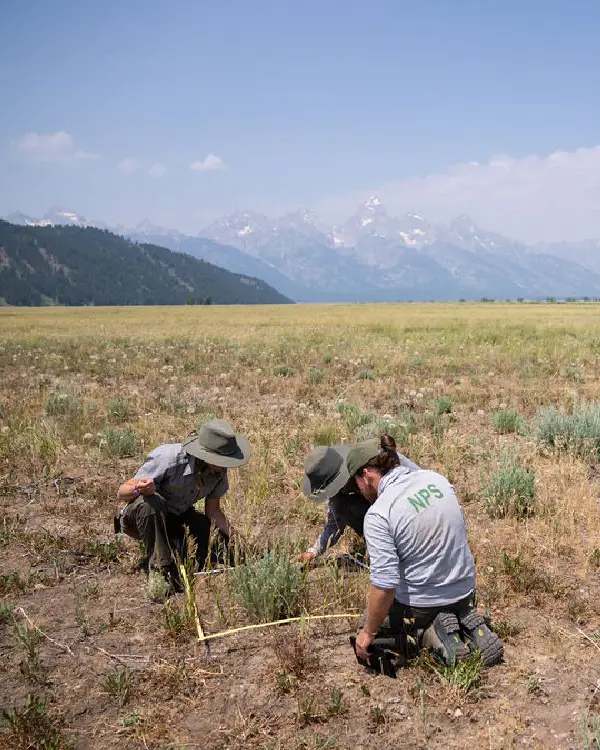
325 472
216 443
361 454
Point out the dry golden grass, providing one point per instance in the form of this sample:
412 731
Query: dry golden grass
84 393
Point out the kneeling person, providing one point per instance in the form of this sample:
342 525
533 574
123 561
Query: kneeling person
421 566
159 500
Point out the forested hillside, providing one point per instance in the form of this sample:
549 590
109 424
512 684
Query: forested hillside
87 266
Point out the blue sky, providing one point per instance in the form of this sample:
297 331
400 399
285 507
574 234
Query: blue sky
185 111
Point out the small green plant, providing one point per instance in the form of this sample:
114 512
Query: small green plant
366 375
353 416
336 706
295 654
524 576
377 717
31 728
577 433
507 421
464 675
119 684
507 629
158 587
594 558
7 614
327 359
118 410
309 709
63 404
271 588
510 491
118 443
316 375
284 371
30 639
442 405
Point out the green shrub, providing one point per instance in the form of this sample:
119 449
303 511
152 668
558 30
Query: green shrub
366 375
63 404
316 375
510 491
577 433
507 421
118 443
284 371
118 410
443 405
270 588
353 416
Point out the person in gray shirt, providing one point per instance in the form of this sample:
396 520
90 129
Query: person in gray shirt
159 500
326 478
421 564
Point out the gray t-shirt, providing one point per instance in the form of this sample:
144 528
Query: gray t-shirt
173 472
417 540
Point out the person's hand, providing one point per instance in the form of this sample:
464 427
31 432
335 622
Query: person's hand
305 558
363 640
146 486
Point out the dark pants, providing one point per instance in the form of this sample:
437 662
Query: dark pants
400 628
163 533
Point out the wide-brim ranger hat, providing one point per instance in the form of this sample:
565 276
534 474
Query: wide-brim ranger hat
325 472
216 443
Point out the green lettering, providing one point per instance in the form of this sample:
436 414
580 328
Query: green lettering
417 503
424 495
435 492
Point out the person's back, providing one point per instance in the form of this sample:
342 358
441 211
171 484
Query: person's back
431 564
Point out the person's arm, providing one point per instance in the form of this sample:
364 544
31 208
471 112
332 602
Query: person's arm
385 577
148 476
332 531
379 603
212 506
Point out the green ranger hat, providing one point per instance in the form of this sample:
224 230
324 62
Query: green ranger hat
217 444
325 472
361 454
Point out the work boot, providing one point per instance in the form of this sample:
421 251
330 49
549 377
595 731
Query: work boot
480 637
443 638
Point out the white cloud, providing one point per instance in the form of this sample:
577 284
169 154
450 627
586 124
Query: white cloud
211 163
157 170
52 148
532 198
128 165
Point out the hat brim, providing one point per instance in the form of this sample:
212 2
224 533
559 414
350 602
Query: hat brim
239 458
338 483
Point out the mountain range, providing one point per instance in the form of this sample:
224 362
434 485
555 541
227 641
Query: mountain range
374 256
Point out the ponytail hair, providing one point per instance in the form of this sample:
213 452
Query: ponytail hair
387 458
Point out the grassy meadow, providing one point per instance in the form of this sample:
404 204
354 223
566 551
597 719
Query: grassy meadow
504 399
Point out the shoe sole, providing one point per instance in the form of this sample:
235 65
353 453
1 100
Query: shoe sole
447 629
482 638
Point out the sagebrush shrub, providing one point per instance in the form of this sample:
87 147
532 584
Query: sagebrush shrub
443 405
506 421
353 416
118 409
510 491
63 404
577 433
270 588
118 443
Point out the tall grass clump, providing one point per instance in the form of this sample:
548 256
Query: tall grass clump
507 421
577 433
118 410
510 491
270 588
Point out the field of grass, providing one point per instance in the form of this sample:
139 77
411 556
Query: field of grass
501 398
